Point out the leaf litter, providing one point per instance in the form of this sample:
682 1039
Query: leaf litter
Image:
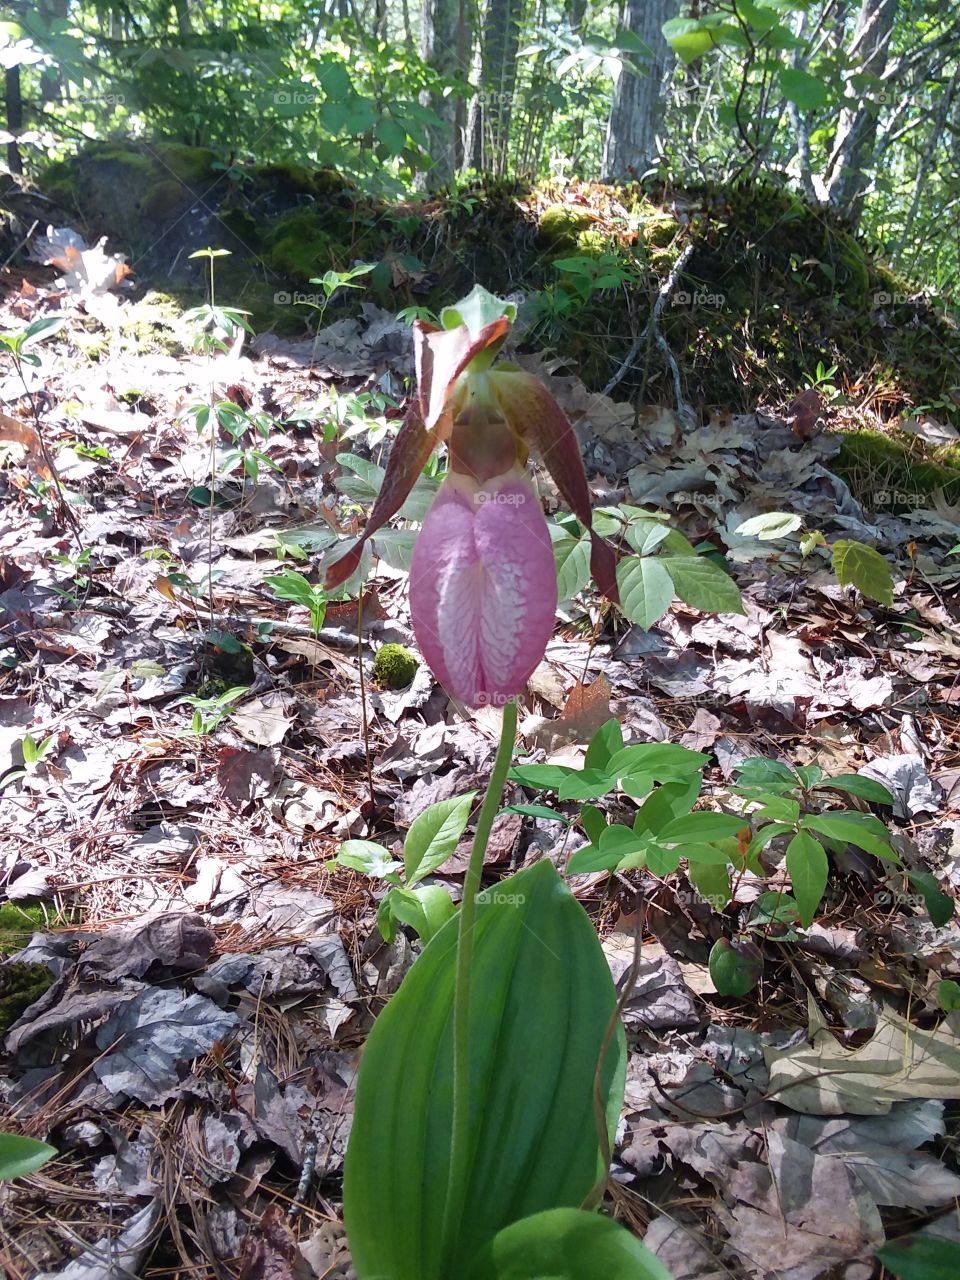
212 978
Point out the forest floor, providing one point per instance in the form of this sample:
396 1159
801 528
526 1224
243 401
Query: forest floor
206 979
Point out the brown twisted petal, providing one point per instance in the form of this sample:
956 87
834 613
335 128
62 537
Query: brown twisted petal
441 355
536 416
411 449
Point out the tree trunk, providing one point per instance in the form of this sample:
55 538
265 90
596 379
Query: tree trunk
498 79
856 133
445 46
637 110
14 107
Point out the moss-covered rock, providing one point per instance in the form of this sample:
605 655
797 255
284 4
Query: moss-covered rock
892 472
561 224
657 227
592 243
300 246
786 285
394 667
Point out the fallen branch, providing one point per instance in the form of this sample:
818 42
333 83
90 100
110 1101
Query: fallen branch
653 326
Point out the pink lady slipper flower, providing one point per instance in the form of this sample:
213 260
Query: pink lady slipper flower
483 583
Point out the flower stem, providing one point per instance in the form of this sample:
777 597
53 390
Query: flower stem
460 1128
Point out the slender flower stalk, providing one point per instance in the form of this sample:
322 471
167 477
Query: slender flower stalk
460 1129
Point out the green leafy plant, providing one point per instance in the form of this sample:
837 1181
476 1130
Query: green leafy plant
854 563
293 586
22 347
208 712
489 1159
491 1085
20 1156
215 328
665 780
331 281
922 1258
34 753
433 836
820 380
75 575
242 427
665 565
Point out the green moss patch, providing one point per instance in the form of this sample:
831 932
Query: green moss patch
394 667
892 472
20 985
18 924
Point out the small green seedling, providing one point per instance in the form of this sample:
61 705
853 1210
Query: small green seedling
209 712
293 586
431 840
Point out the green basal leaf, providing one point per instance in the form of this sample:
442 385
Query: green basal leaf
858 565
433 836
542 999
939 905
808 868
20 1156
922 1258
566 1244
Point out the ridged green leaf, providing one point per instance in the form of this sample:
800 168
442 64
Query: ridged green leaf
567 1244
542 998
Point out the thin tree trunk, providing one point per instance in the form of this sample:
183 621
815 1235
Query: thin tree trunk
926 162
637 110
498 78
14 106
445 46
857 127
